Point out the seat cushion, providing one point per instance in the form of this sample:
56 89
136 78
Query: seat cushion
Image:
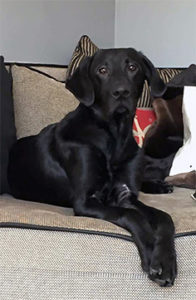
180 205
26 214
18 213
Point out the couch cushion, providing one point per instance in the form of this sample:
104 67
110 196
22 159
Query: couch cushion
179 204
58 73
20 213
143 120
38 100
7 126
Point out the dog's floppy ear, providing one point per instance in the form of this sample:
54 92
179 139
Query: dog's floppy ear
158 87
80 83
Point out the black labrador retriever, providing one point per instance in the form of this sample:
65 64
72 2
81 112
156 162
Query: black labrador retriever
91 162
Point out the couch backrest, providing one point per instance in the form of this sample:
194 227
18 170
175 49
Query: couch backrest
40 96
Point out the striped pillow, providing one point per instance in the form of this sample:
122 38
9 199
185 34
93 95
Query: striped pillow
86 47
166 75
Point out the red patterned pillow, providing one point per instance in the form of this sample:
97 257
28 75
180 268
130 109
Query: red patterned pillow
143 120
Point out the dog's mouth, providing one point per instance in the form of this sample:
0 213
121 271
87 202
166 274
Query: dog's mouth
121 109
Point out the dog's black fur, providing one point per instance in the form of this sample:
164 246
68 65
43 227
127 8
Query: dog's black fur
91 162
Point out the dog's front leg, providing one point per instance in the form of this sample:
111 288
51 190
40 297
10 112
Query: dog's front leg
162 267
125 181
129 219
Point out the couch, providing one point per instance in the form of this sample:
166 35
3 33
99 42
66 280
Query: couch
48 253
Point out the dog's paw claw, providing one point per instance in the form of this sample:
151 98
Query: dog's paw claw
155 271
164 188
170 188
163 268
164 282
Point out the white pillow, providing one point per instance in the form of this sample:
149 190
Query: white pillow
185 159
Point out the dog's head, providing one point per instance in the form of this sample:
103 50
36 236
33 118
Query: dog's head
112 80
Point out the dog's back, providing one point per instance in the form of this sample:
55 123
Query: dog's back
39 164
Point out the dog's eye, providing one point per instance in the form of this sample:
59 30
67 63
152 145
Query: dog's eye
132 67
103 71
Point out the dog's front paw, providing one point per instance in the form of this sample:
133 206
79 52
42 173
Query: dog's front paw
121 195
157 187
163 187
163 267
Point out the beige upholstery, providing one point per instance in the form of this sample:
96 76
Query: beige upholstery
48 265
179 205
55 72
32 213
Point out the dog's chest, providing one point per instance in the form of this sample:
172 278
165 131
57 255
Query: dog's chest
112 143
110 138
97 137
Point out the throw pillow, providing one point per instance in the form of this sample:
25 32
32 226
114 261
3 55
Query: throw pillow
7 127
185 158
185 77
85 47
186 180
38 100
144 118
166 75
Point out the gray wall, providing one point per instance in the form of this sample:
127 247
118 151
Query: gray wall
47 30
165 30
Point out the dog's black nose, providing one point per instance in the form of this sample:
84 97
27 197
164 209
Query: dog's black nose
120 92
